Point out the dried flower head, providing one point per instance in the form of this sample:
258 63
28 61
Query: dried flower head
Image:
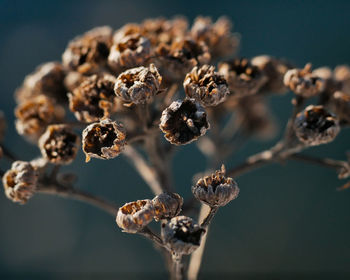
205 85
59 144
178 58
182 235
34 115
3 125
88 53
304 82
242 76
133 216
73 80
20 182
94 98
167 205
184 121
216 190
132 50
47 79
315 126
103 140
274 69
340 103
138 85
217 36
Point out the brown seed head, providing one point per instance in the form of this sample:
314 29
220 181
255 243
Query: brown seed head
341 74
205 85
167 205
133 216
103 140
20 182
184 121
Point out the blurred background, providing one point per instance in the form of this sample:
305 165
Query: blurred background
289 221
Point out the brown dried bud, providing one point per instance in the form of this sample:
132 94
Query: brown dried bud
205 85
94 98
133 216
130 51
47 79
88 53
59 144
126 30
340 104
167 205
73 80
103 140
315 126
274 69
20 182
138 85
216 190
242 77
217 36
182 235
184 121
3 125
304 82
177 59
34 115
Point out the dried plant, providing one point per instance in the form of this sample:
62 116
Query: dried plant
124 89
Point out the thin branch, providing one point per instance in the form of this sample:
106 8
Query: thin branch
206 222
177 267
146 231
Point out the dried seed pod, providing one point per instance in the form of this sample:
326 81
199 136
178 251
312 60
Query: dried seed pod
182 235
340 104
94 98
73 80
59 144
242 77
205 85
184 121
34 115
126 30
274 69
47 79
133 216
3 125
88 53
216 190
304 82
138 85
315 126
20 182
341 74
130 51
103 140
177 59
167 205
217 36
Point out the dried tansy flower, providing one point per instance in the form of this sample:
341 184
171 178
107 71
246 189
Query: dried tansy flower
167 205
34 115
130 51
94 98
205 85
104 140
315 126
216 190
304 82
242 77
184 121
133 216
3 125
59 144
20 182
340 103
138 85
182 235
88 53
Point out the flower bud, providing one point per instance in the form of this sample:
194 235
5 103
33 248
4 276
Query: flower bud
59 144
167 205
216 190
182 235
20 182
138 85
133 216
315 126
184 121
205 85
103 140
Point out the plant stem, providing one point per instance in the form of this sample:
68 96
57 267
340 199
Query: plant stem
146 231
206 222
177 267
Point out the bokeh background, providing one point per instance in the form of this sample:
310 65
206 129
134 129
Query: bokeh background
289 221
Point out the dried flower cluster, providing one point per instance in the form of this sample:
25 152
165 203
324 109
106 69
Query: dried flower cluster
152 86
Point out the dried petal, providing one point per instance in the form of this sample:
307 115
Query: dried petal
167 205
